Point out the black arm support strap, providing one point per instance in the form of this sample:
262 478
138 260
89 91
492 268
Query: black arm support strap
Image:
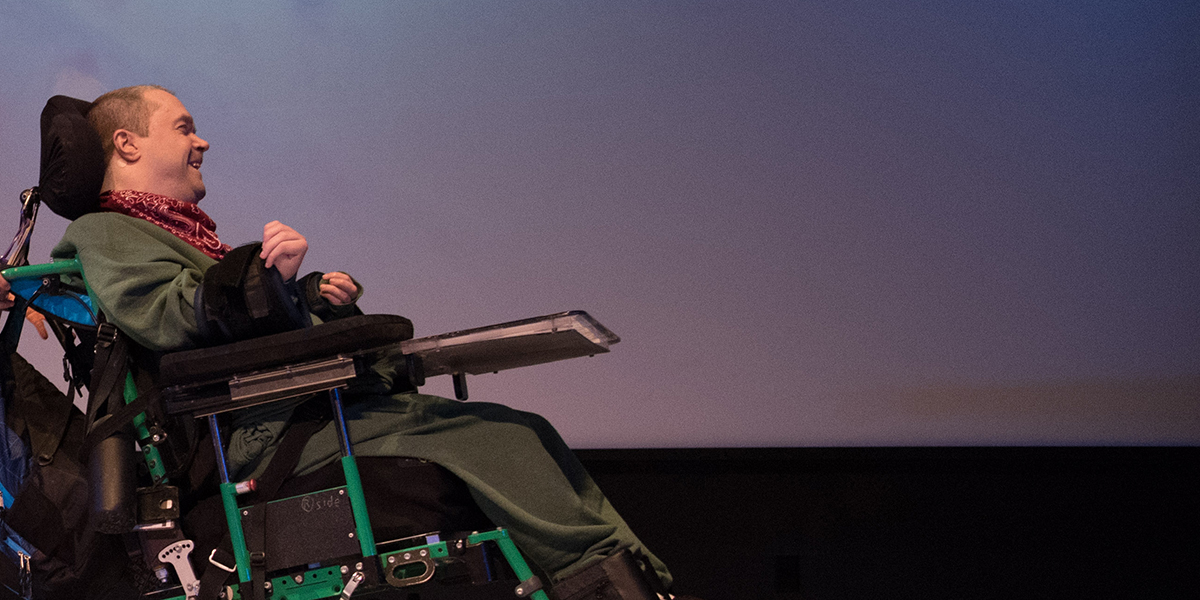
240 298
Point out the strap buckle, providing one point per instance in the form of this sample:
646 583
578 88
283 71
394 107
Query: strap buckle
212 560
106 334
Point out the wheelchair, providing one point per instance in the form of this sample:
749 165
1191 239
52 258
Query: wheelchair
305 544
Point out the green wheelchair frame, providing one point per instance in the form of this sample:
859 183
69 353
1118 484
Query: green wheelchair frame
402 567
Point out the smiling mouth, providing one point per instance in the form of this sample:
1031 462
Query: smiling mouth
194 165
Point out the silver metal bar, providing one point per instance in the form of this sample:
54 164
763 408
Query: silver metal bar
339 419
295 380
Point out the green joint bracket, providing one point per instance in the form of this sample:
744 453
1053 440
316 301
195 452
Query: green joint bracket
435 550
325 582
151 454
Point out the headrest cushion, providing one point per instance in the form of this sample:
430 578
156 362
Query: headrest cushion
72 159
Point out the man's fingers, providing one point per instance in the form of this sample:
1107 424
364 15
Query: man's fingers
282 243
339 288
335 294
39 322
294 249
341 280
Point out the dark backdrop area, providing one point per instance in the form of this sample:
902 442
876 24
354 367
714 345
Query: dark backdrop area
919 523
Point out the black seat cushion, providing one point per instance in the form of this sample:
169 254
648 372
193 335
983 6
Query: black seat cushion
351 335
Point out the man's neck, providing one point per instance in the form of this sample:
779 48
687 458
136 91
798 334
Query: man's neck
120 176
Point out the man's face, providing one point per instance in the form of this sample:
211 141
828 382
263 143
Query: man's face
172 152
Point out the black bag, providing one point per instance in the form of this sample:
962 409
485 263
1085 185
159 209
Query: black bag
50 509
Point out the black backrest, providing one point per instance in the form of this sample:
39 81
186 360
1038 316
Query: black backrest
73 162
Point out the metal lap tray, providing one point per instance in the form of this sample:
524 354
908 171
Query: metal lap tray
510 345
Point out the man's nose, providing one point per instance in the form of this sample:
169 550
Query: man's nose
201 144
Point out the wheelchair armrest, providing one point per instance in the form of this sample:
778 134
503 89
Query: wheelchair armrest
221 378
212 380
352 335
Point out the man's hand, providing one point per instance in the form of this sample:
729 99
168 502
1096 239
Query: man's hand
283 248
338 288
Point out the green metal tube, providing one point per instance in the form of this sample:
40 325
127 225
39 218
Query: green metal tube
58 267
233 518
511 554
68 266
358 506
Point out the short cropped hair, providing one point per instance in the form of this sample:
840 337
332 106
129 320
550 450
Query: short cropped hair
124 108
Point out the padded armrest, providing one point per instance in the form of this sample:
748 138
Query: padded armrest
351 335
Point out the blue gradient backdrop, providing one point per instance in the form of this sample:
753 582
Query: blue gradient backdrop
812 223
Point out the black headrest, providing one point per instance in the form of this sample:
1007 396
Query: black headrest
72 159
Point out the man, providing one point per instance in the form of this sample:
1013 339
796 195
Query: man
145 255
152 147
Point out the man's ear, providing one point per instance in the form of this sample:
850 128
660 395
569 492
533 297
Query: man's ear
126 145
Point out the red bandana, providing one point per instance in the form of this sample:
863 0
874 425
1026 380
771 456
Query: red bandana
183 219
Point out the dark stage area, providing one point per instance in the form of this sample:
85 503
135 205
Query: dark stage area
963 523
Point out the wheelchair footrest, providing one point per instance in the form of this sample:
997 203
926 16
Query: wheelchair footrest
618 577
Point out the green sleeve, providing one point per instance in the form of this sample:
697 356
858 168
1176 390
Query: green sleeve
322 308
143 277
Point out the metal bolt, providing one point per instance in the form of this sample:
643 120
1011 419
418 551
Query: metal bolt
392 559
357 566
345 569
341 492
424 553
351 534
407 555
267 586
299 578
